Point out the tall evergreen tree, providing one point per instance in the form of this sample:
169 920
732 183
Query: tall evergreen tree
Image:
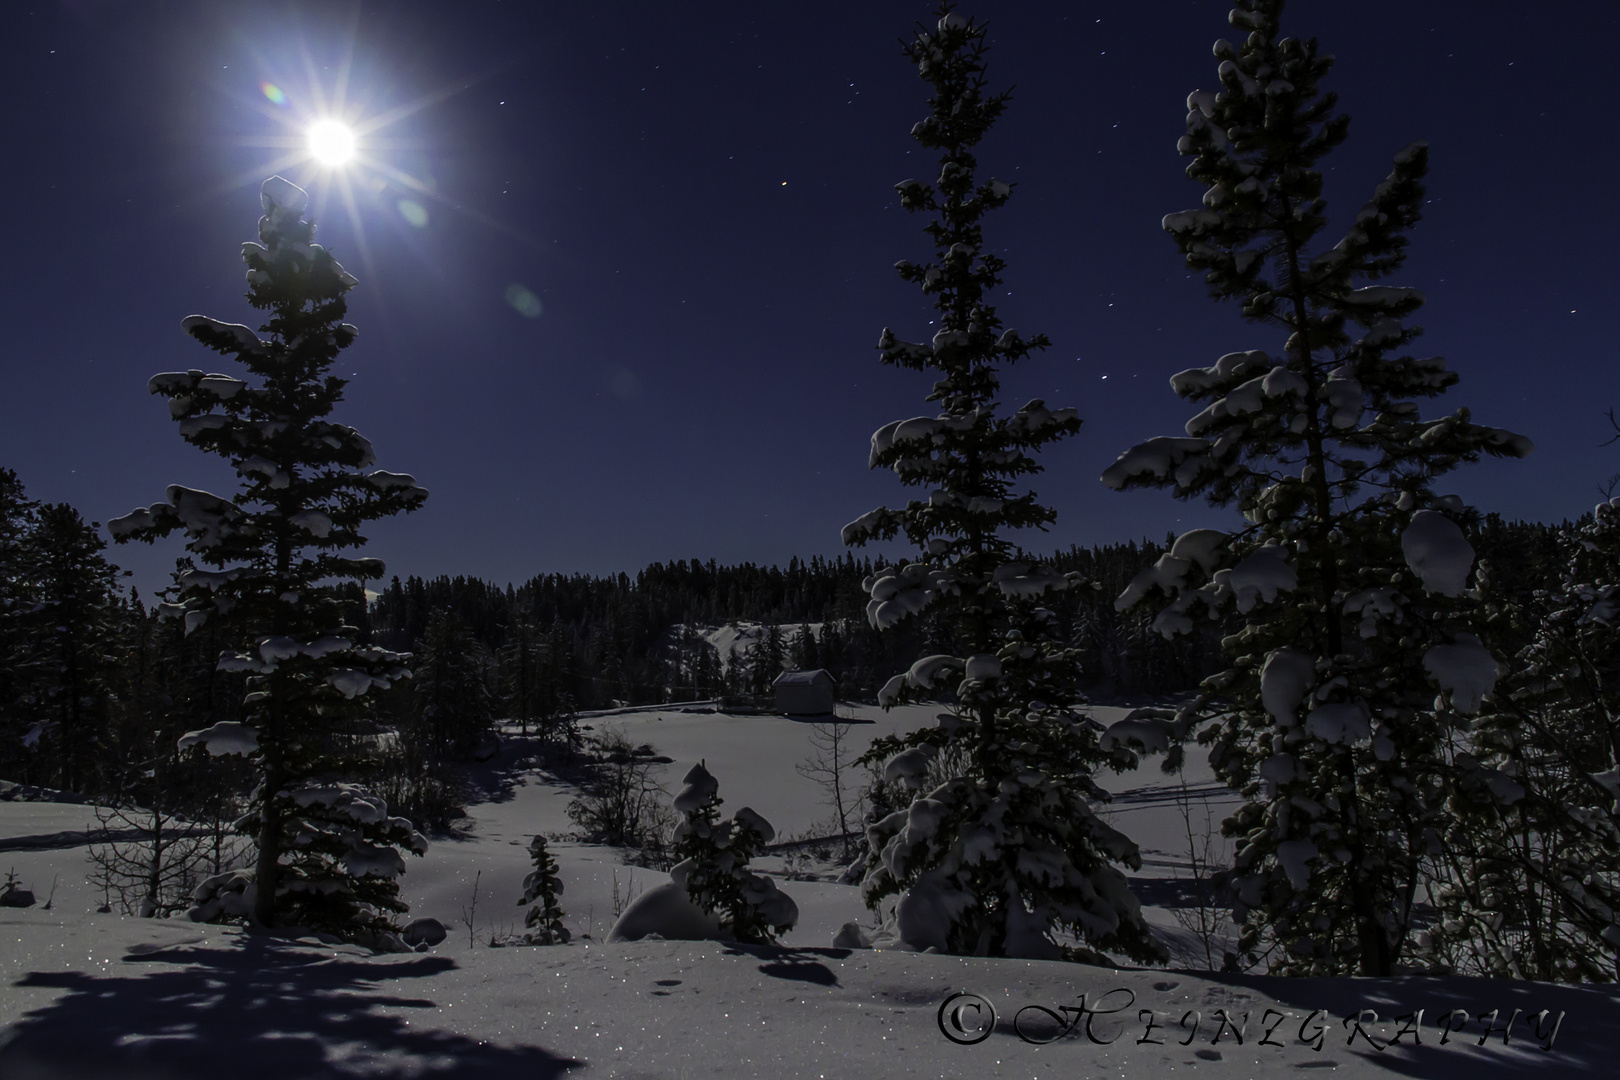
1009 853
1349 579
522 672
804 654
71 658
1529 886
327 853
764 659
18 518
453 699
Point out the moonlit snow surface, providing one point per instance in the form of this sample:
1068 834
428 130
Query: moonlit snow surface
86 995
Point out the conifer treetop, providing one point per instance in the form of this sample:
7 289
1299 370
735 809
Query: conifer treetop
1333 398
303 495
971 458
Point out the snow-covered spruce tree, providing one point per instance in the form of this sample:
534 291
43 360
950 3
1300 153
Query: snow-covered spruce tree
1004 855
713 866
1347 587
327 851
1531 888
541 888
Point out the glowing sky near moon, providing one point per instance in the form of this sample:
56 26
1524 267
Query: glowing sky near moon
623 266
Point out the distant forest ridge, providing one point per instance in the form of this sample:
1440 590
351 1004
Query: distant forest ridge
633 639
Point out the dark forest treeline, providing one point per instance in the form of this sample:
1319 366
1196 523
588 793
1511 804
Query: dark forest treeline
629 640
96 685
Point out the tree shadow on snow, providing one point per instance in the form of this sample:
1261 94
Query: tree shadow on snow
492 781
263 1009
796 965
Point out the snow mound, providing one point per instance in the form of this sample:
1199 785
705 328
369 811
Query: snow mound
667 912
424 932
852 936
924 914
230 894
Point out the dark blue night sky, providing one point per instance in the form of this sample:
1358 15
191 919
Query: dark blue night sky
699 196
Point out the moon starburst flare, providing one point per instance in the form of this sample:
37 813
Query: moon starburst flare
331 143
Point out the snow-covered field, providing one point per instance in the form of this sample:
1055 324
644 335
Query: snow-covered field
97 995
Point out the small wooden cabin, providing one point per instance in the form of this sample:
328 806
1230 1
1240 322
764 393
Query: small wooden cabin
805 693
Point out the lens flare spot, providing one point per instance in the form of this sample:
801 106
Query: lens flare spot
523 301
413 212
273 92
331 142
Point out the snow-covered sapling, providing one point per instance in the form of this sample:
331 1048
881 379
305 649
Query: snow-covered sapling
12 894
328 851
1347 584
542 888
1007 856
714 858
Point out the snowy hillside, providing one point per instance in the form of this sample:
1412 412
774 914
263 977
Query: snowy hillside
732 642
97 995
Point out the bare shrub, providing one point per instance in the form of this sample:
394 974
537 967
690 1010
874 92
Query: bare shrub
828 766
622 900
621 802
1203 917
152 859
469 915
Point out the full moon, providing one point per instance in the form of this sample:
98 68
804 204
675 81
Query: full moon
331 143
